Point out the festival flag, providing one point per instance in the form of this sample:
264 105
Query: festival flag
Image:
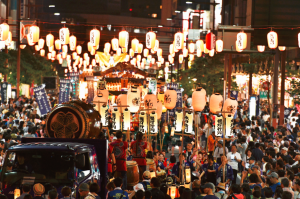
42 100
64 90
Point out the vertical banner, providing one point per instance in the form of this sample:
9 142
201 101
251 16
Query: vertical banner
252 107
116 119
188 122
90 87
234 94
178 121
104 115
143 122
219 126
42 100
229 126
74 77
153 122
153 86
64 90
126 119
4 91
257 99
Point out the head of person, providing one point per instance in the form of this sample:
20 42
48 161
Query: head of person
139 136
172 159
161 157
268 192
52 194
140 194
196 184
146 175
27 196
26 188
273 177
210 159
84 189
110 186
220 144
2 196
252 160
253 178
38 189
221 187
233 149
119 134
189 146
235 188
182 157
209 188
287 195
245 188
118 182
285 182
94 188
155 182
66 191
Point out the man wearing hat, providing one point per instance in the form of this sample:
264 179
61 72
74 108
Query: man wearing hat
38 190
146 180
274 181
218 153
221 191
209 189
84 192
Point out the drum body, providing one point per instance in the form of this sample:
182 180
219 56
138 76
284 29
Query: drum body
150 165
161 175
74 119
132 174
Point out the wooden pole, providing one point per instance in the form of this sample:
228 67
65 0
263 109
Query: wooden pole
282 91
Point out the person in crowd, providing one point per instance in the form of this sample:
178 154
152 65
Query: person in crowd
211 142
257 153
235 192
219 152
164 188
146 180
209 191
196 189
52 194
66 192
178 168
94 190
221 191
228 172
210 170
155 189
25 190
234 158
38 190
118 192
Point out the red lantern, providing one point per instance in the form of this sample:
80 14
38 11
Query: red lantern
199 99
170 98
210 41
150 101
215 103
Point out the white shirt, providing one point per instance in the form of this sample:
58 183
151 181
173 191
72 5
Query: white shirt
231 160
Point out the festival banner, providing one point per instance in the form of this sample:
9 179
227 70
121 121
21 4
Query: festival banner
90 86
64 90
42 100
153 86
143 122
74 77
219 126
4 86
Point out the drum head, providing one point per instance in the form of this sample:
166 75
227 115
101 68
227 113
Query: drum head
196 173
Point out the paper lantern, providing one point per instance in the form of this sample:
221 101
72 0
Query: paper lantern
172 191
146 52
180 58
260 48
281 48
131 52
229 126
218 126
123 38
42 52
119 51
103 114
36 47
135 44
199 99
49 40
237 47
124 50
57 44
159 52
17 193
126 119
49 55
153 122
115 44
64 35
185 52
34 34
200 45
272 39
9 39
94 37
41 43
64 55
188 119
215 103
210 41
78 50
211 53
206 51
93 51
191 47
162 60
171 48
159 110
241 40
299 40
102 95
150 40
150 101
219 45
121 101
116 123
143 123
156 46
4 29
72 43
191 57
53 54
178 120
187 175
140 48
199 53
179 40
22 46
133 99
107 46
65 48
170 98
230 105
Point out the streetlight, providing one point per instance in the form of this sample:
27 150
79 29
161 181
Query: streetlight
194 79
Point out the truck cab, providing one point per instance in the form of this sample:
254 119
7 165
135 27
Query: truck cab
50 163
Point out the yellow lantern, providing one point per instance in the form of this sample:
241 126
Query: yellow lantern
64 35
9 39
74 55
124 50
17 193
212 52
156 46
179 40
42 52
135 44
53 54
281 48
58 57
119 51
215 103
237 47
93 51
138 58
50 49
171 49
172 191
36 47
41 43
22 46
94 37
126 119
187 175
170 98
153 122
140 48
123 38
200 45
229 125
192 57
65 48
219 45
206 51
150 101
116 123
180 58
115 44
241 40
60 61
146 52
49 55
150 40
57 44
162 60
64 55
260 48
199 53
107 47
72 43
78 50
159 52
89 46
191 47
199 99
131 52
272 39
49 40
34 34
185 52
122 101
4 29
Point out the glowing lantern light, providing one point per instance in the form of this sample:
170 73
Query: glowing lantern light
65 48
150 101
199 53
78 50
199 99
219 45
64 55
57 44
138 58
119 51
153 122
72 43
191 47
178 120
22 46
135 44
153 61
156 46
272 39
162 60
115 44
146 52
281 48
229 125
299 40
192 57
41 43
122 101
123 38
103 114
64 35
89 46
49 55
9 39
180 58
210 41
107 46
126 119
260 48
150 40
74 55
188 122
36 47
200 45
170 98
212 52
116 123
42 52
58 57
4 29
133 99
34 34
187 175
17 193
124 50
94 37
143 125
50 49
171 49
131 52
230 104
159 52
172 191
60 61
178 41
215 103
185 52
49 40
241 40
53 54
237 47
140 48
206 51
